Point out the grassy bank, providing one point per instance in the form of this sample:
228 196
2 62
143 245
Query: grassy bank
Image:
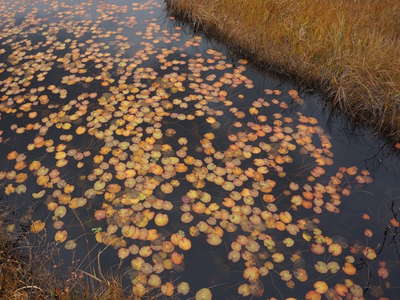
25 274
349 49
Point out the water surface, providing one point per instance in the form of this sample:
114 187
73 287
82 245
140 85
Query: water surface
141 149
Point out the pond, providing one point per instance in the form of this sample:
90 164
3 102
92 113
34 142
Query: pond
142 149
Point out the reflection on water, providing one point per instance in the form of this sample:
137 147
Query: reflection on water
140 148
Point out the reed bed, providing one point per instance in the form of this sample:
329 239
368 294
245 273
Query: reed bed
350 49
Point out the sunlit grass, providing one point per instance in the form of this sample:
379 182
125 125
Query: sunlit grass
350 49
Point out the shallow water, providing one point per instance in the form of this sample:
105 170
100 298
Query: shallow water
142 83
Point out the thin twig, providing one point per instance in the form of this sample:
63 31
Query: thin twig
91 275
28 287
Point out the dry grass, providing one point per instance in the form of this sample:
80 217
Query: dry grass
348 48
25 275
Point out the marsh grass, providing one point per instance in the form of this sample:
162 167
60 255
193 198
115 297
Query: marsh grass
350 49
25 273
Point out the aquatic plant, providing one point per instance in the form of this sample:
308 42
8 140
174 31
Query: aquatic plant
152 144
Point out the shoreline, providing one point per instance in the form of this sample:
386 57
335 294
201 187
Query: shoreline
366 97
28 275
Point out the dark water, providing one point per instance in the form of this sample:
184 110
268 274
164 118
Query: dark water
135 74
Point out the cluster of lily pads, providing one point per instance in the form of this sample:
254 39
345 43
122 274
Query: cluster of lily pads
176 140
